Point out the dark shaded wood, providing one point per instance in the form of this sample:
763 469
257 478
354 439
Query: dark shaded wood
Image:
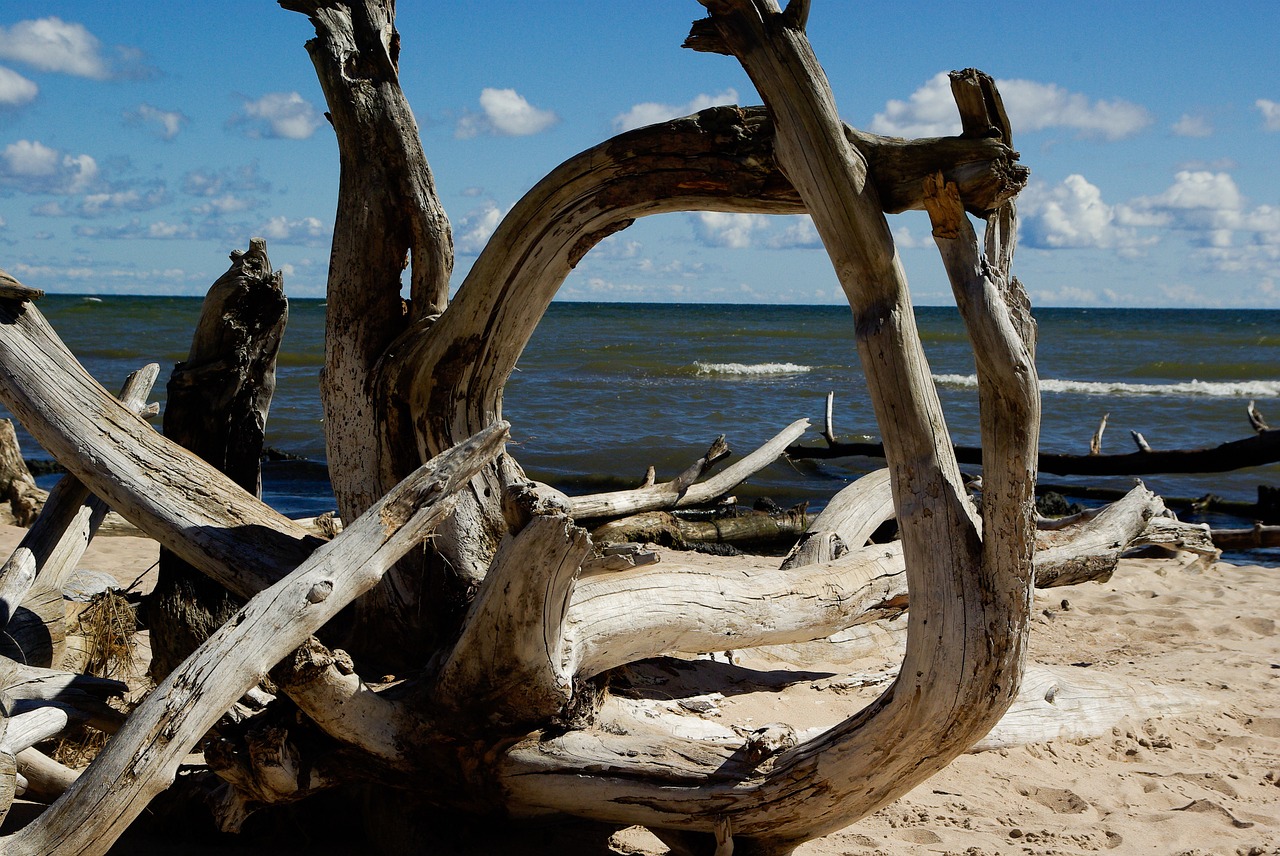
217 405
1256 451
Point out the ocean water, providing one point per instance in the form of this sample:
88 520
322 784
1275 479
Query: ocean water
605 390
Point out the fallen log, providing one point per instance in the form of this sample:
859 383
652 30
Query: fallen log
1256 451
667 529
1257 538
685 491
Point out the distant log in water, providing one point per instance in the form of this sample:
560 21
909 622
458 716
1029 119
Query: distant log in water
1255 451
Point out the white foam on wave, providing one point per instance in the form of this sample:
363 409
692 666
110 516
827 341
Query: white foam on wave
752 370
1184 389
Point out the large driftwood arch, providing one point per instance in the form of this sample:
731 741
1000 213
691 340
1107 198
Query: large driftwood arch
500 626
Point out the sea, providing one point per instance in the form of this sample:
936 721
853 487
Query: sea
605 390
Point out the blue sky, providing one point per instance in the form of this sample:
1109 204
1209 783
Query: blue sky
140 142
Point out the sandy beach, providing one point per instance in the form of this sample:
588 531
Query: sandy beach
1202 781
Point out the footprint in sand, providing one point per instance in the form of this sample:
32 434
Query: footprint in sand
1057 800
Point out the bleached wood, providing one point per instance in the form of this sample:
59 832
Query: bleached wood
507 664
621 617
27 729
193 509
325 687
1091 546
676 495
46 778
1065 703
143 757
848 521
51 549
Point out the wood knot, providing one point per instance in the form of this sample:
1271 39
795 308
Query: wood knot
320 591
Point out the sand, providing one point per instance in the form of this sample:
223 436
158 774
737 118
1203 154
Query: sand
1206 781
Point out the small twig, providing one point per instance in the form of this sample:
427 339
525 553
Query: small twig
1095 444
1255 419
1140 441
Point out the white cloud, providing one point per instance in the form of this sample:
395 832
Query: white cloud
305 230
240 179
98 204
477 227
1270 111
167 123
51 44
15 89
284 115
505 113
931 111
1207 203
1071 215
720 229
227 203
650 112
33 167
799 233
1192 126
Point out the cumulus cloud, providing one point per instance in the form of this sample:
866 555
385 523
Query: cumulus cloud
1071 215
734 231
281 115
52 44
650 112
135 230
1192 126
930 111
1270 111
15 90
505 113
477 227
798 233
1208 204
285 230
32 167
240 179
166 124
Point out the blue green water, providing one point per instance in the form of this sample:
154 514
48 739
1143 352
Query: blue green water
606 390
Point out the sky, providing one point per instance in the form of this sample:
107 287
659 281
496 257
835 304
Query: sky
141 142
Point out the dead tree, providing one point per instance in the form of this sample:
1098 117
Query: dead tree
498 636
216 407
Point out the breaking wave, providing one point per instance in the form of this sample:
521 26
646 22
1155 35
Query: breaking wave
1183 389
753 370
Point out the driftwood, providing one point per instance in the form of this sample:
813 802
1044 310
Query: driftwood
1258 537
17 486
848 521
470 580
685 491
738 530
145 754
1259 450
217 405
34 576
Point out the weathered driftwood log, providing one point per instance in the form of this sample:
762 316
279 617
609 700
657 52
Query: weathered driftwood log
739 530
17 485
864 762
35 575
141 760
1060 703
1258 537
1256 451
1088 546
443 379
198 513
685 490
848 521
217 405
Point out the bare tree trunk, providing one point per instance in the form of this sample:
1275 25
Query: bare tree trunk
217 406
